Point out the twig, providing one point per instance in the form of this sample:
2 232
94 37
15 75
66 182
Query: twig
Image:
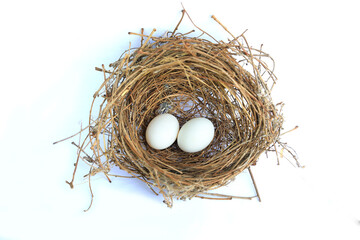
102 70
197 26
214 198
71 135
142 36
219 196
76 165
92 195
296 127
80 149
253 180
147 40
182 16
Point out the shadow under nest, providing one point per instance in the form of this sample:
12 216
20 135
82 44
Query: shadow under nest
228 83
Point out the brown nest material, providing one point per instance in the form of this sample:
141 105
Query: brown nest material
226 82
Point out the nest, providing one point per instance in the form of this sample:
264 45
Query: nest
228 83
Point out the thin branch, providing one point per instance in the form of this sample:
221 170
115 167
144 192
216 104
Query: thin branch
218 196
296 127
253 180
91 192
82 129
182 16
197 26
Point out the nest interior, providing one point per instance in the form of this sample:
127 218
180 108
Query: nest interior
225 82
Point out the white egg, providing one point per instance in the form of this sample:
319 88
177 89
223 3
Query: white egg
162 131
195 135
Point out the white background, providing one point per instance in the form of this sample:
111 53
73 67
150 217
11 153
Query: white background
48 51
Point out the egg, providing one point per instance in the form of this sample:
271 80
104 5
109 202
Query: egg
162 131
195 135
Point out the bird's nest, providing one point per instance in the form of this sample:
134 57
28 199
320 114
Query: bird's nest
228 83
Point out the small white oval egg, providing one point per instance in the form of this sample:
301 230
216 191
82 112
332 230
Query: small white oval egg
162 131
195 135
